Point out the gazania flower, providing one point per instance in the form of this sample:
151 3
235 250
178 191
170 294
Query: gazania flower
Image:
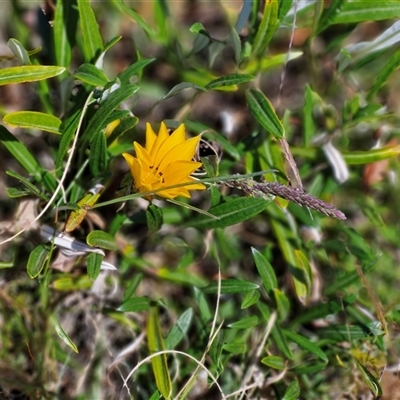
166 160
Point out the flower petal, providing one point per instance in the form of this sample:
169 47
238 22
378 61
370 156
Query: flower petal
161 138
151 137
183 151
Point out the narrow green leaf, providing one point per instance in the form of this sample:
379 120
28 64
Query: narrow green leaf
135 304
282 304
64 28
264 113
93 263
235 347
306 344
308 124
134 69
132 286
15 193
92 42
137 18
329 14
179 330
182 86
266 271
34 120
69 128
274 362
154 217
101 239
19 51
267 27
371 381
198 28
292 391
65 338
361 10
32 189
28 73
20 153
281 342
385 73
72 283
230 213
344 333
37 260
98 121
159 363
229 80
91 75
98 154
302 276
229 286
245 323
250 298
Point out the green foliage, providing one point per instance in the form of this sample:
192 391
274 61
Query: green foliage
232 283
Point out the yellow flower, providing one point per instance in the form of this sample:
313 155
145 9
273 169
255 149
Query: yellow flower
166 160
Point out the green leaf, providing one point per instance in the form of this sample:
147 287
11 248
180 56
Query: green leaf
329 14
19 51
98 121
34 120
274 362
371 381
28 73
391 66
235 347
250 298
292 391
20 153
281 342
132 286
229 286
370 156
267 28
264 113
154 217
361 10
159 363
198 28
306 344
229 80
72 283
182 86
98 154
135 304
134 69
37 259
265 271
70 127
32 189
245 323
101 239
282 304
344 333
65 338
63 27
93 262
231 212
302 276
91 75
137 18
179 330
92 42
